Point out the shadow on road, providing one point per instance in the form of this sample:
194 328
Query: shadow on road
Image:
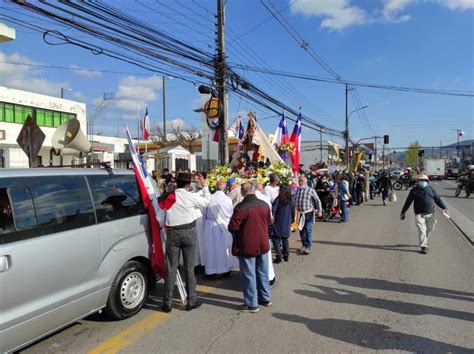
371 335
397 247
368 283
405 308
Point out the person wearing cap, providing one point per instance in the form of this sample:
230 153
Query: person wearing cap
423 197
233 191
180 224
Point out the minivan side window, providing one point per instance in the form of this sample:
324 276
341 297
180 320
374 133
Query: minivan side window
115 196
46 204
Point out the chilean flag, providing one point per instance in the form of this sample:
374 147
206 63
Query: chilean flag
296 140
150 202
281 134
146 125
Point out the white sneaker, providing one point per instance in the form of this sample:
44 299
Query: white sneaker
302 249
307 251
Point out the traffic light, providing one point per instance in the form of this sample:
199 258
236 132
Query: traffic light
421 153
386 139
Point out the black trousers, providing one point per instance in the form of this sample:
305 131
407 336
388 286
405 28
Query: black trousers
178 241
281 246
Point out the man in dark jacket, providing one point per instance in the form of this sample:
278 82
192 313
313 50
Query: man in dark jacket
424 198
249 226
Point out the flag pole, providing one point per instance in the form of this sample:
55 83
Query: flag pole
138 127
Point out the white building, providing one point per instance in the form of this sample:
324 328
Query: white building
49 113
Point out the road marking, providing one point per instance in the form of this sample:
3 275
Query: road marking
136 331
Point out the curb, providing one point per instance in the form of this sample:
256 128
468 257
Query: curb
461 222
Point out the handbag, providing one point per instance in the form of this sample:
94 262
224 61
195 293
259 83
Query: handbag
392 197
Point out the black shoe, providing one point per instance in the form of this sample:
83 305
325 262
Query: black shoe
166 308
424 250
228 274
277 260
272 282
285 258
193 306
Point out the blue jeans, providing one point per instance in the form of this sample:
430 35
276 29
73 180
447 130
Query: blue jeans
306 234
254 274
344 211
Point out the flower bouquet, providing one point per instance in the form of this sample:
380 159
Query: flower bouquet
261 174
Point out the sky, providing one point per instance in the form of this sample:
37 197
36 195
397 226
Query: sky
410 43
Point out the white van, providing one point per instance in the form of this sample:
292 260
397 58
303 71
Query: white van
72 241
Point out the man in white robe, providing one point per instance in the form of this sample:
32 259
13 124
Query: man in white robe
258 193
218 240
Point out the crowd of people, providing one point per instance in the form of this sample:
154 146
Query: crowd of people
236 226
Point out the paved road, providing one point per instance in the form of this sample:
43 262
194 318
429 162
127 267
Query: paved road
365 287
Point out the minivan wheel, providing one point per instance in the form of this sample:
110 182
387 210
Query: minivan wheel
128 292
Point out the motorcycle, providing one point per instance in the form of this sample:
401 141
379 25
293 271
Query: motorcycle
464 183
404 181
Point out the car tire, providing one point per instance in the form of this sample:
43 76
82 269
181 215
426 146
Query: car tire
128 292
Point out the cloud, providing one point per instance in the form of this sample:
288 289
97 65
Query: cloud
338 14
84 72
392 8
133 92
458 4
23 77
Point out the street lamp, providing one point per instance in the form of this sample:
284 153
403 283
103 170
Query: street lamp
63 90
347 132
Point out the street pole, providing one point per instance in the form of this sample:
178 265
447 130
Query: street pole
375 157
458 131
221 86
62 92
320 145
164 107
347 134
383 156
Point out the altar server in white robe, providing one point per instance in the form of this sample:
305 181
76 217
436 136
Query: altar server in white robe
218 240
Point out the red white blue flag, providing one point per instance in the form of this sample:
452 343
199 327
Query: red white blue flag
150 202
281 134
146 125
296 140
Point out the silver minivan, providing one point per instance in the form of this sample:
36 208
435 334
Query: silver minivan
72 241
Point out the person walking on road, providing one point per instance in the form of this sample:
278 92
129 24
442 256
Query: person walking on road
283 211
344 197
218 240
385 185
423 197
249 225
181 237
306 201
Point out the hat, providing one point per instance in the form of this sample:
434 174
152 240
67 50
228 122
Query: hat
230 182
420 177
184 177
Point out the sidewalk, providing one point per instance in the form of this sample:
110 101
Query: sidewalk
463 223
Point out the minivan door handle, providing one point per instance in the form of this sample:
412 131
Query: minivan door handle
5 263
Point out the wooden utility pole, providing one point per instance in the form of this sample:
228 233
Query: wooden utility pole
220 82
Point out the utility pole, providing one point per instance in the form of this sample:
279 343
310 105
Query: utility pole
375 157
164 107
221 87
346 133
320 145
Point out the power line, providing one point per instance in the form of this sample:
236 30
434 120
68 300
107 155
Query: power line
357 83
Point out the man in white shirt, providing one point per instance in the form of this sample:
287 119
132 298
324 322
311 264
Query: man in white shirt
181 229
273 188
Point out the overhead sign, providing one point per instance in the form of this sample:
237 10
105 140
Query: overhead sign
31 139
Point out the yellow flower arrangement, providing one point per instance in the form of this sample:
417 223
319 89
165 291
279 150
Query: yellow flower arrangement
261 174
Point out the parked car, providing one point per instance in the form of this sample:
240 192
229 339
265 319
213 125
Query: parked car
72 241
395 172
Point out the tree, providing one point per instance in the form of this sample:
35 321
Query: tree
411 158
158 137
187 137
